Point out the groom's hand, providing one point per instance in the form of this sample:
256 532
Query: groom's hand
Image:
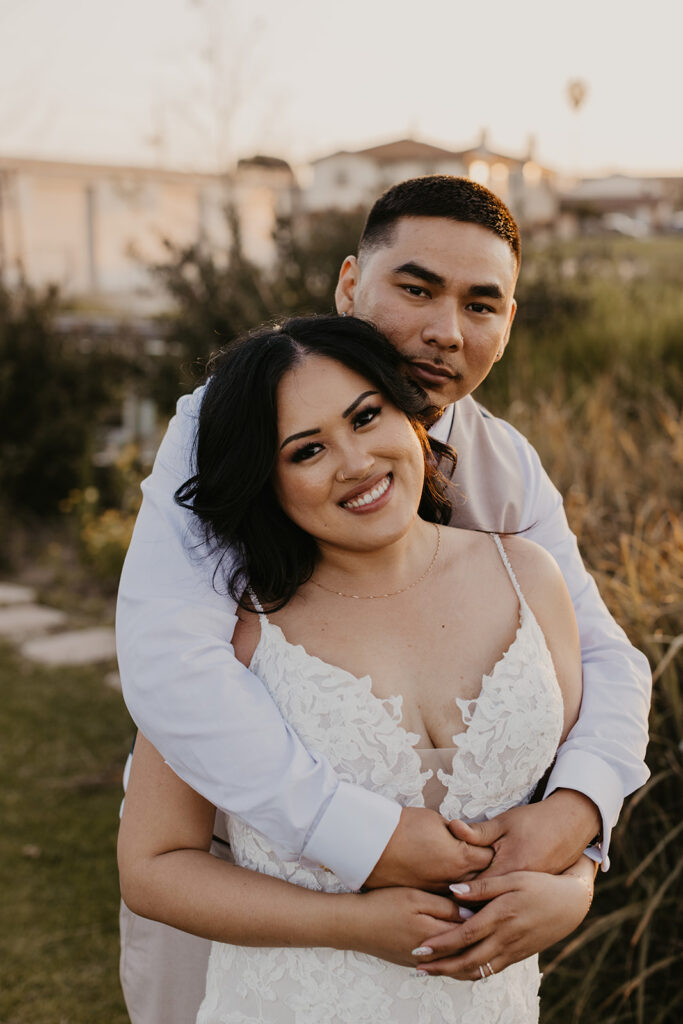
423 854
547 836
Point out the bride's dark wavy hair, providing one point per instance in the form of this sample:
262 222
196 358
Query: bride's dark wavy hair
236 448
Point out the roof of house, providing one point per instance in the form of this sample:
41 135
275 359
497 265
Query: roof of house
267 162
40 165
411 149
395 152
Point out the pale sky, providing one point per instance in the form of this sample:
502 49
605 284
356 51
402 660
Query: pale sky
190 82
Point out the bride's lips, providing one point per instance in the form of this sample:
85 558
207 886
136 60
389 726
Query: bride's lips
431 374
382 483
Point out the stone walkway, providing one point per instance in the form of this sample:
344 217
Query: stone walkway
41 633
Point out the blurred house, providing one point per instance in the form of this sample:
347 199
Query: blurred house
347 180
92 228
621 204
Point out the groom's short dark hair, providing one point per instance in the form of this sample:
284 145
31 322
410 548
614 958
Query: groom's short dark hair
439 195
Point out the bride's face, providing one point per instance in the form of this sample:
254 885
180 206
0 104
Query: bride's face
350 467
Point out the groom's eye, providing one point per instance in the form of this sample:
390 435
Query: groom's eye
416 290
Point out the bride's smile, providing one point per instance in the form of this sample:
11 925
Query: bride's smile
368 498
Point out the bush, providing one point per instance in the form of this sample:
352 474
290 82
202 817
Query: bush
218 298
50 397
104 533
591 309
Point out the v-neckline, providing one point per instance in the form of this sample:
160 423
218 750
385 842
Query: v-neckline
396 700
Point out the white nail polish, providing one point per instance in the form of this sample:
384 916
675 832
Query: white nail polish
422 974
465 913
459 888
422 951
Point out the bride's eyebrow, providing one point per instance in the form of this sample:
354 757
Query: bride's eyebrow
302 433
356 403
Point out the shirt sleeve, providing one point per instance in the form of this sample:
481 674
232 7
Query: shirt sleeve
603 756
211 719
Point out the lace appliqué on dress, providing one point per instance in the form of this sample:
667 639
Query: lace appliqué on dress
495 766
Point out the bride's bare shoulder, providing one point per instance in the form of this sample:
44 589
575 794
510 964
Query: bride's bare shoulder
545 591
537 572
535 568
247 633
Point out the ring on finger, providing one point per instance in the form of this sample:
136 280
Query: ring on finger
486 971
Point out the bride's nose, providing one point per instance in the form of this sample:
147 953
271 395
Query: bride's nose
355 463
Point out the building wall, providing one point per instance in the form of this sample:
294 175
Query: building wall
94 230
345 181
348 180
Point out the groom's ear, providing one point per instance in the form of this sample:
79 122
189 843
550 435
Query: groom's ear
506 337
346 285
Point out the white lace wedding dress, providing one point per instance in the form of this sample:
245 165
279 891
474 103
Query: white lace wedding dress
512 732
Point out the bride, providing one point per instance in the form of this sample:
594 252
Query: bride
440 667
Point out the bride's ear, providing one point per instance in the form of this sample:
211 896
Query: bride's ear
346 286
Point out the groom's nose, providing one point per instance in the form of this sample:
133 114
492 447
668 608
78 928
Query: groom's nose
444 330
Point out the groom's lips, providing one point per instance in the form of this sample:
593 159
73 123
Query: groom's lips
430 373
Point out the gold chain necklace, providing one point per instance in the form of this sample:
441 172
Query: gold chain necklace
393 593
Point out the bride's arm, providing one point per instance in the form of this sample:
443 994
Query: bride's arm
167 874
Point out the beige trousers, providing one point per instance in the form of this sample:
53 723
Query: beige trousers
162 970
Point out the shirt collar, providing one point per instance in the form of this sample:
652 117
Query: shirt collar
441 430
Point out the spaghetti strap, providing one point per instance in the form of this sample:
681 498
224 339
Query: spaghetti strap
257 604
510 570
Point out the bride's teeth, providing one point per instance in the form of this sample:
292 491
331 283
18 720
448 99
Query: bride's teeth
365 499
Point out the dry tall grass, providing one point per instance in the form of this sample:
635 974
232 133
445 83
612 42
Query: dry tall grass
619 463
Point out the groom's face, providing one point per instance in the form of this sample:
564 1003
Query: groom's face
442 291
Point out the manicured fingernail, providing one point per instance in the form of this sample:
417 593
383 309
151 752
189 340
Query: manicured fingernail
422 951
459 888
422 974
465 912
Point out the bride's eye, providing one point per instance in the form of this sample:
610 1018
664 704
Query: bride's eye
366 415
307 451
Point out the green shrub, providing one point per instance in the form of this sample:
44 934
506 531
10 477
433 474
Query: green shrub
50 399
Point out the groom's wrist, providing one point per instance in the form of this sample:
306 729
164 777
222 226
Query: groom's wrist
580 816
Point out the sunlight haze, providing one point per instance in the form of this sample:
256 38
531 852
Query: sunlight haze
199 84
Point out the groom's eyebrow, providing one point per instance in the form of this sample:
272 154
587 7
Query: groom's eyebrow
422 273
485 291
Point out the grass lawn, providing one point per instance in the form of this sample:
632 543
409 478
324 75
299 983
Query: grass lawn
64 740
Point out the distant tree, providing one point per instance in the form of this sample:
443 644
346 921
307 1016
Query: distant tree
219 297
50 399
310 250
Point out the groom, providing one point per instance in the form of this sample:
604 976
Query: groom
436 270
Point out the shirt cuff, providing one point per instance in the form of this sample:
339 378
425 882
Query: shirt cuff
589 774
352 833
595 854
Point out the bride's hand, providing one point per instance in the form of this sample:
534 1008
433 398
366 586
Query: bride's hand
391 923
525 912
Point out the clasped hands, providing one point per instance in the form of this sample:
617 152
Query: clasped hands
522 872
